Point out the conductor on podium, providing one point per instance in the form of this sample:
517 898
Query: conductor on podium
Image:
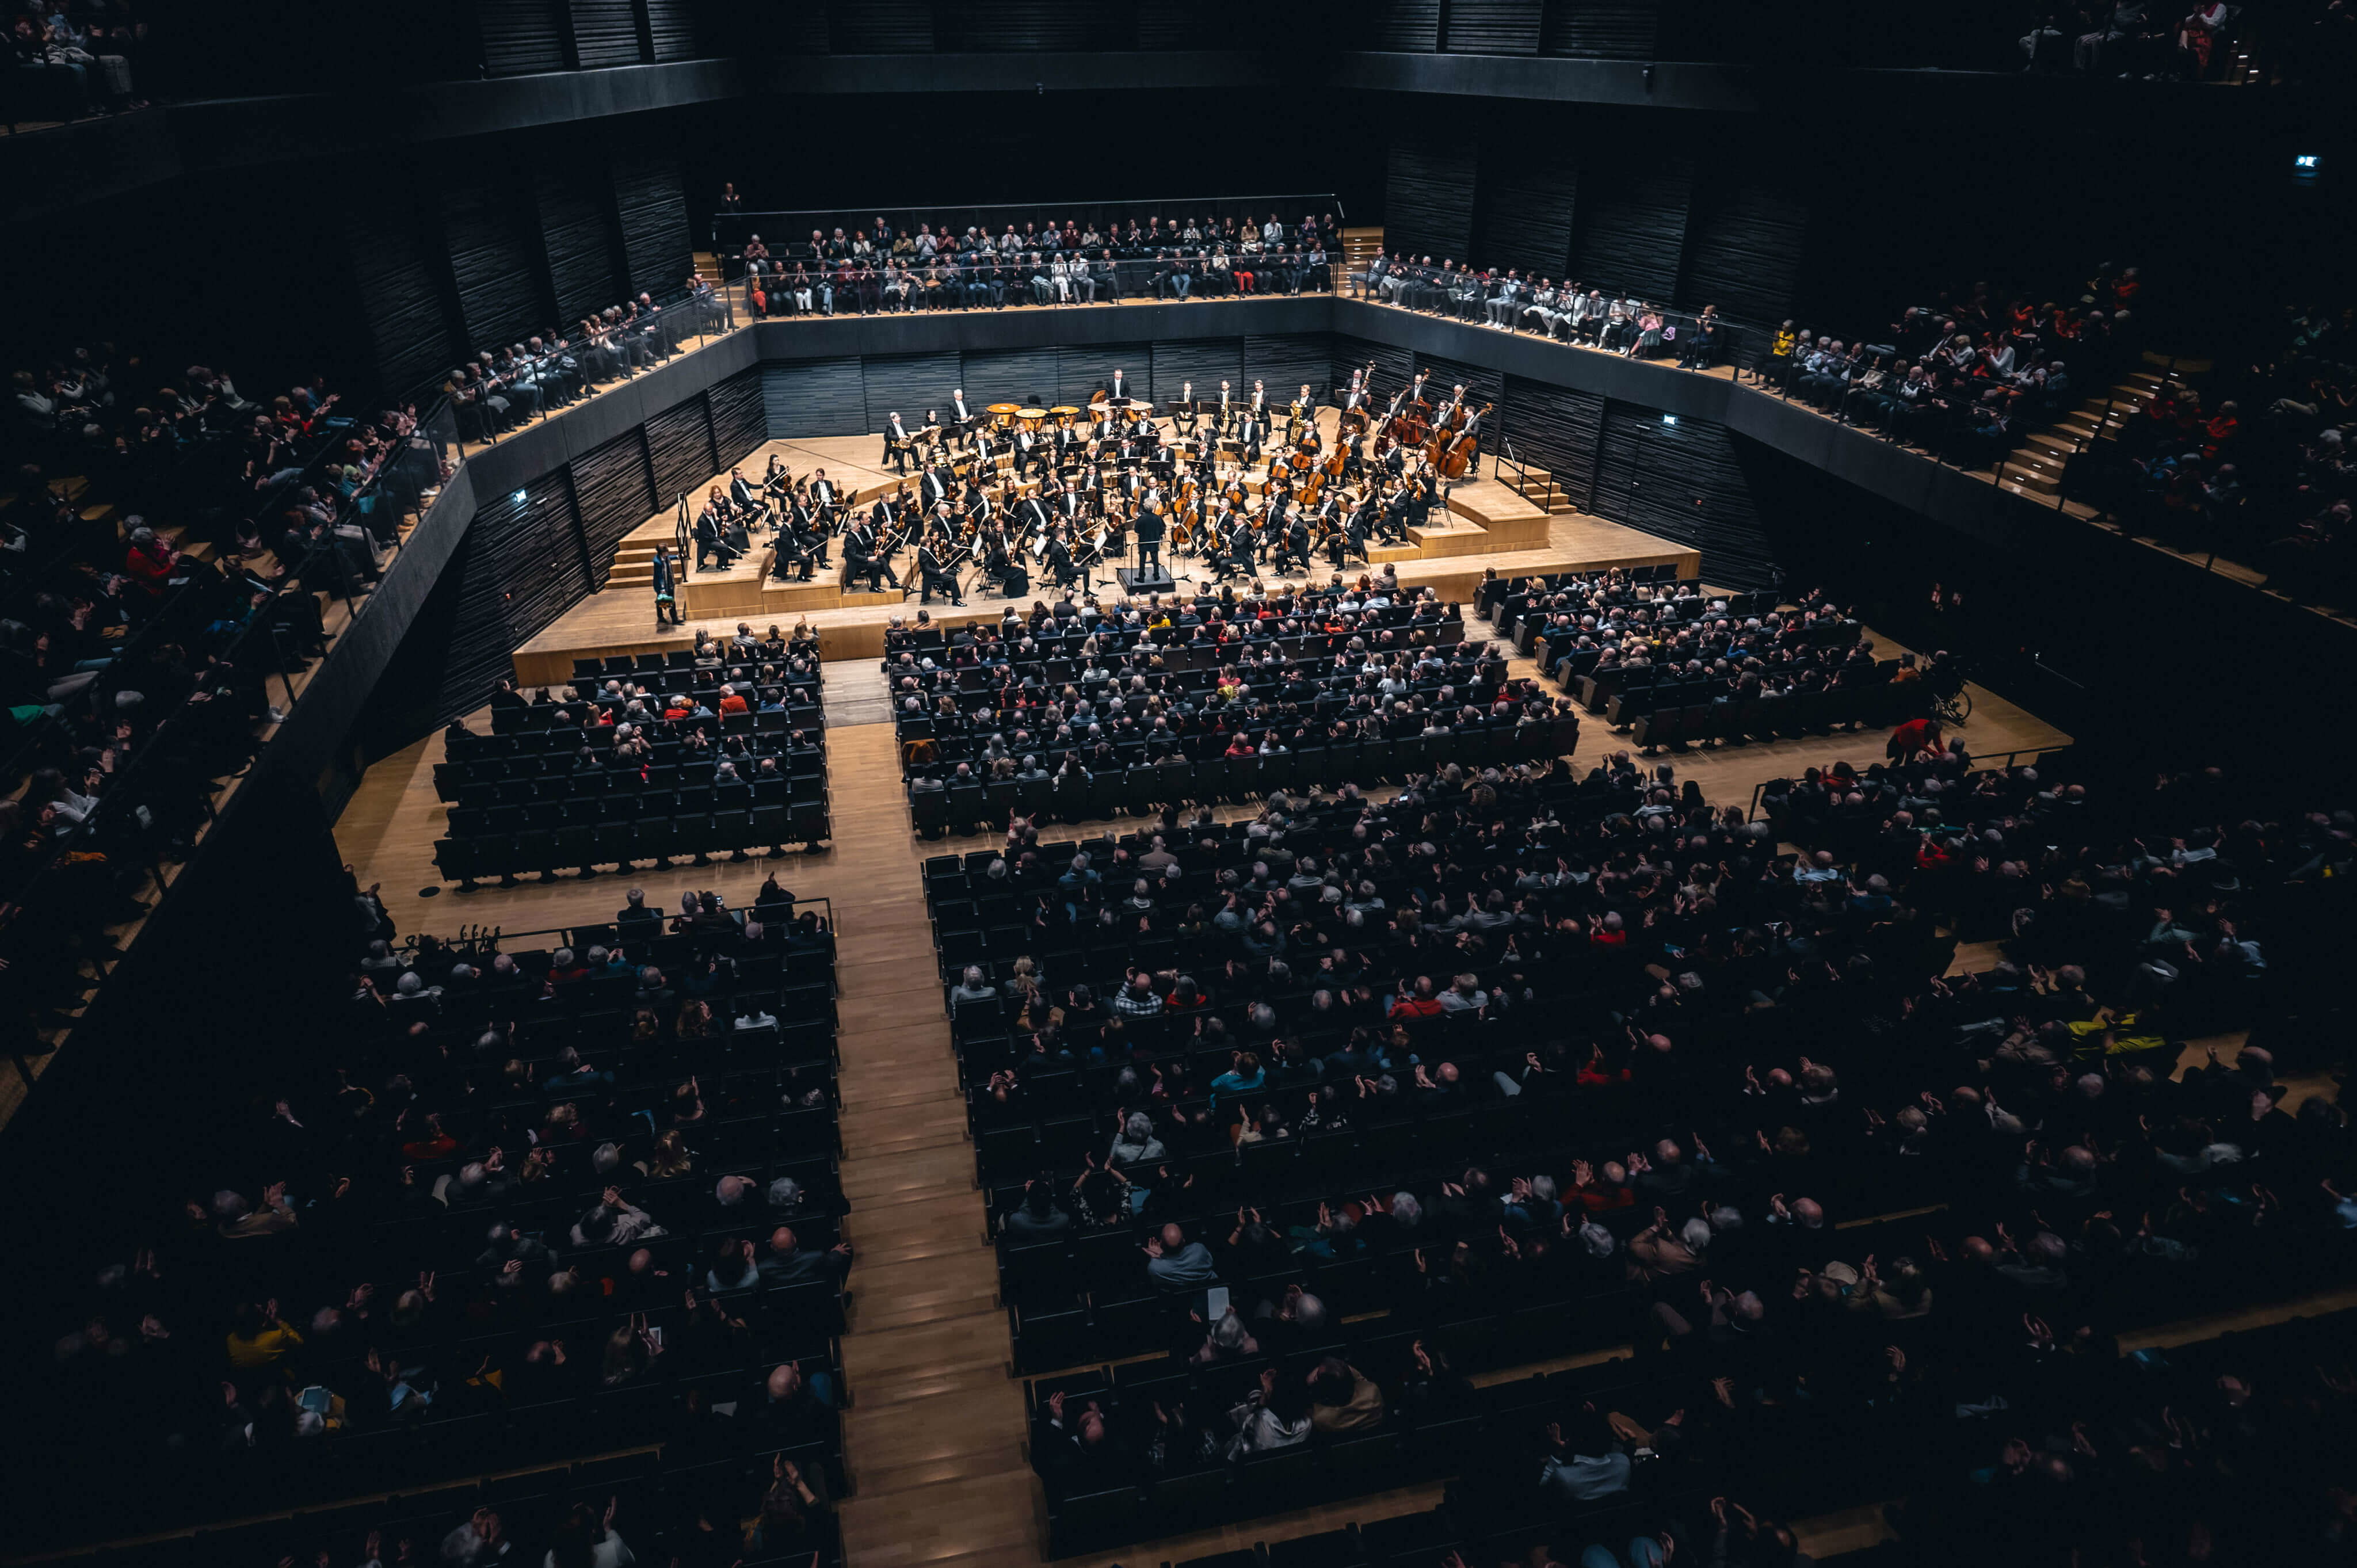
1149 527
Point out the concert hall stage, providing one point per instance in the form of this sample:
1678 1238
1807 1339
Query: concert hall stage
1486 526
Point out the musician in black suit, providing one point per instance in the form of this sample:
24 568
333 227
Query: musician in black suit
1031 451
794 549
1294 550
712 538
1119 391
863 557
961 419
1033 516
746 498
1183 418
933 574
1071 505
1151 529
1250 433
898 446
1061 567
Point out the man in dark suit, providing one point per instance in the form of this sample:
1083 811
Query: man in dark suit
898 446
1119 391
1151 529
934 575
746 498
1182 415
1061 570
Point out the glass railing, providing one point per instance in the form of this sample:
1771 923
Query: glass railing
793 287
1162 222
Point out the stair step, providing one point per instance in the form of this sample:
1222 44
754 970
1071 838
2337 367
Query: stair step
2044 484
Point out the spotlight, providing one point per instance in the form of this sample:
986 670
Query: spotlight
1670 419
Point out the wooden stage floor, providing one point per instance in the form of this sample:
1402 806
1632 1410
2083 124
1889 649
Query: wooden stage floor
935 1443
1487 525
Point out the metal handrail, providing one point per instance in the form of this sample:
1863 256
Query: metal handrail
486 939
1761 788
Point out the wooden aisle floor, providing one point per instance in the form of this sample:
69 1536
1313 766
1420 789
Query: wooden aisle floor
934 1441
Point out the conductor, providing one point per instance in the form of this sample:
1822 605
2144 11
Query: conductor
1150 527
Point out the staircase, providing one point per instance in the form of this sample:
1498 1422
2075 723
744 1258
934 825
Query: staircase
2035 470
1537 487
708 267
634 566
1360 246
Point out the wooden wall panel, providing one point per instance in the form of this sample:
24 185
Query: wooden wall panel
1403 25
1493 27
520 37
1348 353
1743 255
491 257
1008 375
613 492
1081 369
1528 201
578 238
1206 361
911 383
1020 26
519 567
1558 429
879 27
1185 23
606 32
1631 235
679 449
1285 361
1684 482
1429 197
653 208
671 25
740 423
1602 29
814 397
410 337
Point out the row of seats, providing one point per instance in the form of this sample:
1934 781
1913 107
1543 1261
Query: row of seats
585 847
1141 789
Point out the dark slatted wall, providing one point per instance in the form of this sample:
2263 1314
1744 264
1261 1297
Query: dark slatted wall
679 447
519 567
1349 353
1007 375
1744 256
499 292
580 250
1527 202
1404 24
672 25
613 493
1493 27
1186 24
739 422
1601 30
520 36
1206 363
1020 25
653 206
814 397
1684 482
1428 199
394 277
1481 385
606 32
1632 227
1288 359
1081 369
1558 429
911 383
879 27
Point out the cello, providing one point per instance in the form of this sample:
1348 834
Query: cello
1464 449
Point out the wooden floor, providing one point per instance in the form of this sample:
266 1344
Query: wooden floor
934 1442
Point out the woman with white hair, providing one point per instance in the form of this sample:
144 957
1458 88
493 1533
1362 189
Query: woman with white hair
1134 1142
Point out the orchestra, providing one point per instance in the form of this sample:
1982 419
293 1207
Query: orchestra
1004 491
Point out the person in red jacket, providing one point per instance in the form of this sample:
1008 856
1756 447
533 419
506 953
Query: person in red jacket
149 562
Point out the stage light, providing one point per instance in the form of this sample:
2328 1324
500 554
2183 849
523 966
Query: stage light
517 497
1670 419
2304 161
